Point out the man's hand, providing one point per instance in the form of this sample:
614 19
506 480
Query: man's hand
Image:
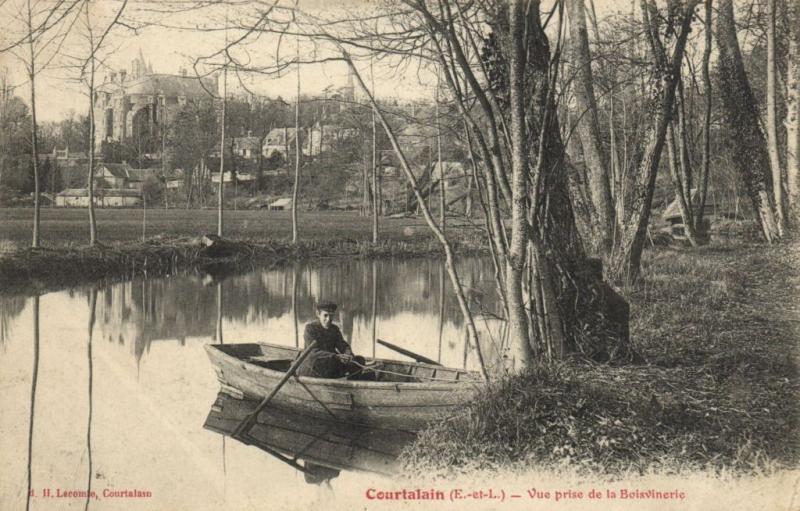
345 357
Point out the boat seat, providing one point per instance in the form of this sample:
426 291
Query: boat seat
279 364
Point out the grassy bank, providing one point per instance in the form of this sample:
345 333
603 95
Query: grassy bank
718 328
33 271
262 238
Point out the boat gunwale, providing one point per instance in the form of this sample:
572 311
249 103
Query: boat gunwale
341 383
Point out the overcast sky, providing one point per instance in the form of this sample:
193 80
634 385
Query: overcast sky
170 49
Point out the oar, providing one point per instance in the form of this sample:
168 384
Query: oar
418 358
250 419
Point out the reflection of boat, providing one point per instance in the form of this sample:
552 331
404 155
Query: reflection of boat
405 396
323 446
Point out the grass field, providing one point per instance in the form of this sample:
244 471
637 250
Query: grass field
717 328
67 226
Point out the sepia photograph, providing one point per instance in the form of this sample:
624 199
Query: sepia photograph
399 255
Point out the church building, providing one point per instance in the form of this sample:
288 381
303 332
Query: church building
138 103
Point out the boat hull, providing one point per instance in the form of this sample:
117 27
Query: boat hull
403 405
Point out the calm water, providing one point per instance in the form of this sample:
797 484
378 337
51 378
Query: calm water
123 387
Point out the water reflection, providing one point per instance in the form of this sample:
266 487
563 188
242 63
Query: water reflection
10 308
92 311
108 387
34 382
317 448
405 302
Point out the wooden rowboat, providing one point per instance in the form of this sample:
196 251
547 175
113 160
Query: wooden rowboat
406 395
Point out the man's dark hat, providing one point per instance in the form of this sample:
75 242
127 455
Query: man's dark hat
326 306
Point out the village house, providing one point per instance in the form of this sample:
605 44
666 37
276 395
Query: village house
247 148
111 175
672 215
282 141
74 197
281 204
122 175
110 197
241 177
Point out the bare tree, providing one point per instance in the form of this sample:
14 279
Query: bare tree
601 209
772 122
662 82
32 40
746 140
223 119
296 185
449 256
94 38
375 162
792 121
706 164
46 25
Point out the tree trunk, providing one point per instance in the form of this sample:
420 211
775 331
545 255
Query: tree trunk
745 140
682 140
663 79
793 118
602 218
221 188
296 187
364 210
772 122
576 311
442 197
684 200
92 128
34 134
705 169
375 197
614 164
518 352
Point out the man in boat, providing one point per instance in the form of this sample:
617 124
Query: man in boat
332 357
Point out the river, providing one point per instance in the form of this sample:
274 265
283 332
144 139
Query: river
120 385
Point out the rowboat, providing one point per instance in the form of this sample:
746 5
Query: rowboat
296 438
405 396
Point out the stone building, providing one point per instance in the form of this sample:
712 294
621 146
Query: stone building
137 103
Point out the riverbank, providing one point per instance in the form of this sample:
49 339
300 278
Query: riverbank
260 238
718 328
35 271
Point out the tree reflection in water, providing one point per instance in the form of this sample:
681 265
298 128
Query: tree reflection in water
34 381
10 308
294 307
92 310
374 305
408 298
219 337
